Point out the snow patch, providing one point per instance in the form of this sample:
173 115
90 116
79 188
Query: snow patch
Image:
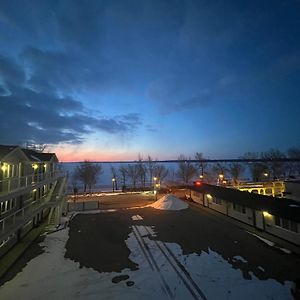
169 202
239 258
136 218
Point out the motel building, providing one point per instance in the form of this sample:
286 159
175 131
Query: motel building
277 216
32 191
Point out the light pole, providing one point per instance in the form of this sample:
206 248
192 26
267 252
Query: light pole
113 183
155 191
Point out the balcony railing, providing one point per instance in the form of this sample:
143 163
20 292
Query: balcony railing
12 184
19 217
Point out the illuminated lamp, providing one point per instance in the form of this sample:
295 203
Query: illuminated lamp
197 183
266 214
35 166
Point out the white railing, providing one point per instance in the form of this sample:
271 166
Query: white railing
20 215
12 184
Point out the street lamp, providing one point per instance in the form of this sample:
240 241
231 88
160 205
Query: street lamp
266 175
113 183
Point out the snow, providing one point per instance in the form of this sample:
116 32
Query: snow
239 258
271 244
261 268
136 218
263 239
52 276
169 202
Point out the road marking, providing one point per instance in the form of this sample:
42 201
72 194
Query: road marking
179 269
163 284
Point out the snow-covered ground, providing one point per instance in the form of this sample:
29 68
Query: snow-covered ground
164 273
169 202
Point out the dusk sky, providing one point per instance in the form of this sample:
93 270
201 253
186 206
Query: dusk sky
107 80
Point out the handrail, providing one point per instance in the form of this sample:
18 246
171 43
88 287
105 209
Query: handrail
16 218
12 184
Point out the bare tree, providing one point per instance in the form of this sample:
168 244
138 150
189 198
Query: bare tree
160 172
236 170
257 169
87 173
150 168
133 173
220 170
124 173
141 171
201 165
276 167
294 167
186 170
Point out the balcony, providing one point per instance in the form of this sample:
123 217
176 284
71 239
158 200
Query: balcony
20 217
15 186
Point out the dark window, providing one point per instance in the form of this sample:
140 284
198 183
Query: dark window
277 221
285 224
294 226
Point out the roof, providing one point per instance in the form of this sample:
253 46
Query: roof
33 155
281 207
4 150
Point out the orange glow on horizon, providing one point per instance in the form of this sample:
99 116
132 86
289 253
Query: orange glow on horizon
71 156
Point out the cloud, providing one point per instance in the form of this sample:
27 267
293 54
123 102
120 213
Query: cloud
41 116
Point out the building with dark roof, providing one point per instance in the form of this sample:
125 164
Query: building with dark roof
277 216
31 189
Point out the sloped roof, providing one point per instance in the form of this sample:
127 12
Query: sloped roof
5 149
39 156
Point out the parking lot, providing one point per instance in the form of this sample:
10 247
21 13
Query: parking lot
125 252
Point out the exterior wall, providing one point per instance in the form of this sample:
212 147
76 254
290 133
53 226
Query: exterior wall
17 175
288 235
216 204
259 219
245 214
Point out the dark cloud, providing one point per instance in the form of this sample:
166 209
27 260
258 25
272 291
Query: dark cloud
33 115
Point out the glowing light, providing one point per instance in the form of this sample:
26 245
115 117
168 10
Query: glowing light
154 178
266 174
113 179
266 214
197 183
35 166
221 176
201 176
209 196
4 167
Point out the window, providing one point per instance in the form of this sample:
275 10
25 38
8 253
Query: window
269 191
216 200
239 208
294 226
287 224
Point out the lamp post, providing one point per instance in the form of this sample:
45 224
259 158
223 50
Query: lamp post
266 175
154 187
113 183
221 178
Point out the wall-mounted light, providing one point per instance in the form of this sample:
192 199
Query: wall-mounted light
4 167
35 166
266 214
209 196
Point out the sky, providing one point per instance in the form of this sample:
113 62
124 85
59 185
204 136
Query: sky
109 80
